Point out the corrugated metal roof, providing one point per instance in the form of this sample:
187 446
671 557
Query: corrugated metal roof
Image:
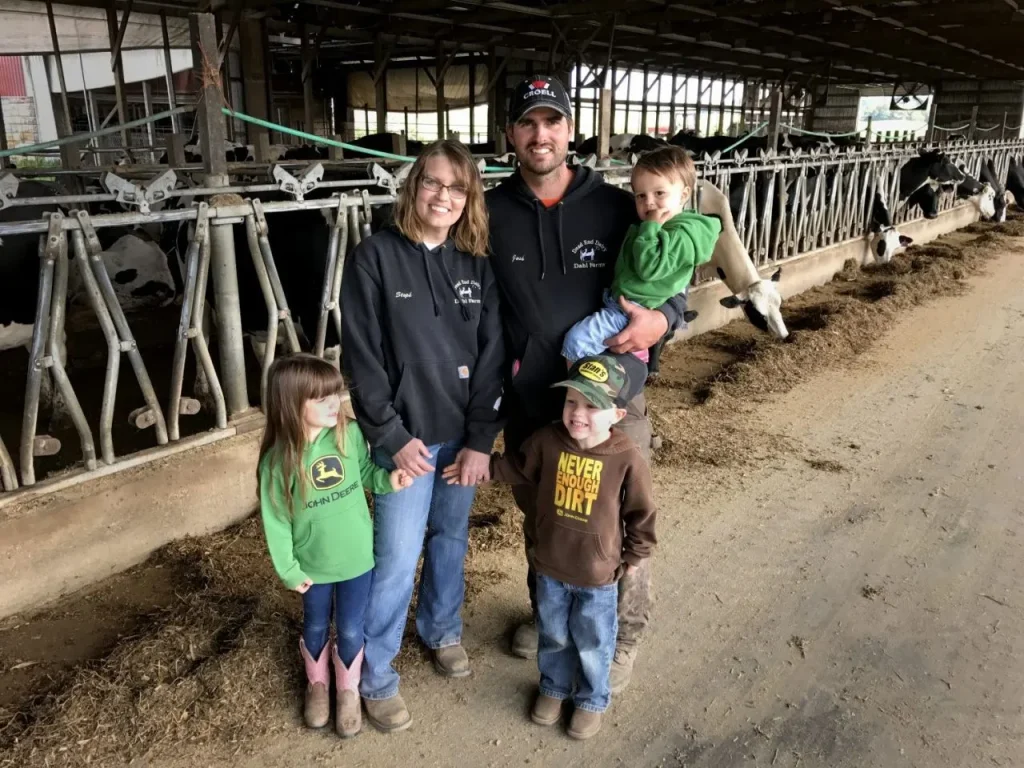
12 78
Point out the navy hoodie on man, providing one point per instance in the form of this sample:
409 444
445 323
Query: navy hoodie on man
553 266
422 345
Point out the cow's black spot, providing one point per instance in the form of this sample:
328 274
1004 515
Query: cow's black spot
126 276
880 248
152 288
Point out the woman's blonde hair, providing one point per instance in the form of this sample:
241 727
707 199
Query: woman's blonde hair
470 231
292 381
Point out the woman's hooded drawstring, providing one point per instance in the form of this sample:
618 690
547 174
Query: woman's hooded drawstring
463 309
430 280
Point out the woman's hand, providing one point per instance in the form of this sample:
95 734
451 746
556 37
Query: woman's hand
413 458
474 467
400 479
303 588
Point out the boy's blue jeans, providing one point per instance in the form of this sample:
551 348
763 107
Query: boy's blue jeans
587 337
577 628
349 602
430 517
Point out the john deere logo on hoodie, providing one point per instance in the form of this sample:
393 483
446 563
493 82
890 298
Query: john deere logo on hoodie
327 472
589 254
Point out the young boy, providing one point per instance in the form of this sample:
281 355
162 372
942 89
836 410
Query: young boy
594 525
658 256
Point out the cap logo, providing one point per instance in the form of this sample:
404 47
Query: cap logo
594 372
539 84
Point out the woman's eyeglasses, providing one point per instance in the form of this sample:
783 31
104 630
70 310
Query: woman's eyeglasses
456 191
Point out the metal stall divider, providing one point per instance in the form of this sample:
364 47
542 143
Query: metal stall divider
47 352
151 414
197 269
331 293
8 477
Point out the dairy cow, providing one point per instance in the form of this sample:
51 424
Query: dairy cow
1002 196
983 195
1015 181
922 177
886 240
622 145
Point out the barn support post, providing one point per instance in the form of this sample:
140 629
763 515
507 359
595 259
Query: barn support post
307 80
5 162
65 122
643 100
577 102
492 95
118 66
1002 126
610 82
700 89
442 107
379 74
500 117
472 98
972 130
604 123
867 133
169 72
775 119
147 108
212 130
930 135
673 126
254 86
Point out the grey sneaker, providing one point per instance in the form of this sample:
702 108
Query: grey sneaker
451 661
388 715
622 669
524 643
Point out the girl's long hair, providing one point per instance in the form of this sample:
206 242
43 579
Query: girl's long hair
292 381
471 230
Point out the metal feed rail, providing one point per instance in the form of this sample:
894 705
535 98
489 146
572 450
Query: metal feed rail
788 205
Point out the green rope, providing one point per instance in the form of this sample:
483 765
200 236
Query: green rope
794 129
733 146
331 142
80 137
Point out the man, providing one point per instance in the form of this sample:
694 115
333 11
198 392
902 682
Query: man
555 234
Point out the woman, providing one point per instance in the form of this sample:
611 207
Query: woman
423 353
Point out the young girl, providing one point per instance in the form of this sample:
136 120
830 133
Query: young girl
313 466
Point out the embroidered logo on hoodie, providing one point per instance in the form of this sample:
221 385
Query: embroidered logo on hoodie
590 254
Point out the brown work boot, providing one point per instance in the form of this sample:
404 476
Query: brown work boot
451 661
584 724
317 709
622 668
524 643
546 710
388 715
348 715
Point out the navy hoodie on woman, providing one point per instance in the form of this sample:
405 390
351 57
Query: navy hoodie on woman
553 266
421 343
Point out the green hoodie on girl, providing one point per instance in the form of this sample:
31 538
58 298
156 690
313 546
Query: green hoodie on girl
327 536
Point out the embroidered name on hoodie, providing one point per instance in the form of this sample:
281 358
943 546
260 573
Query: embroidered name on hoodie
403 294
577 485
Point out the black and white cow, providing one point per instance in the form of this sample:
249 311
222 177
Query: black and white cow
983 195
922 177
886 240
1003 198
622 145
137 267
1015 181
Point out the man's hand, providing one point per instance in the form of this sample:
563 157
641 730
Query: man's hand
644 330
413 458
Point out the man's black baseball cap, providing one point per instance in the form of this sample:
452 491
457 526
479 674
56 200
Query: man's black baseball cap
539 91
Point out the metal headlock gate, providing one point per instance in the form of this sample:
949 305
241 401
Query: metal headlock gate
789 204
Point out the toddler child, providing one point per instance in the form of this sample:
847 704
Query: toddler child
658 255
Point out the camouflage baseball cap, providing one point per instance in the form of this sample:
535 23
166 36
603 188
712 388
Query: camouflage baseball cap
601 379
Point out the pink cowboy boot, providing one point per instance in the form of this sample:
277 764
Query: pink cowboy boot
348 716
317 710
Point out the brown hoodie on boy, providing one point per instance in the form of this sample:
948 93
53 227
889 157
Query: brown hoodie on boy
595 508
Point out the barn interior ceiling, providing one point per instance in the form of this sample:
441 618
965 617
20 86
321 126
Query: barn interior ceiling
806 41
